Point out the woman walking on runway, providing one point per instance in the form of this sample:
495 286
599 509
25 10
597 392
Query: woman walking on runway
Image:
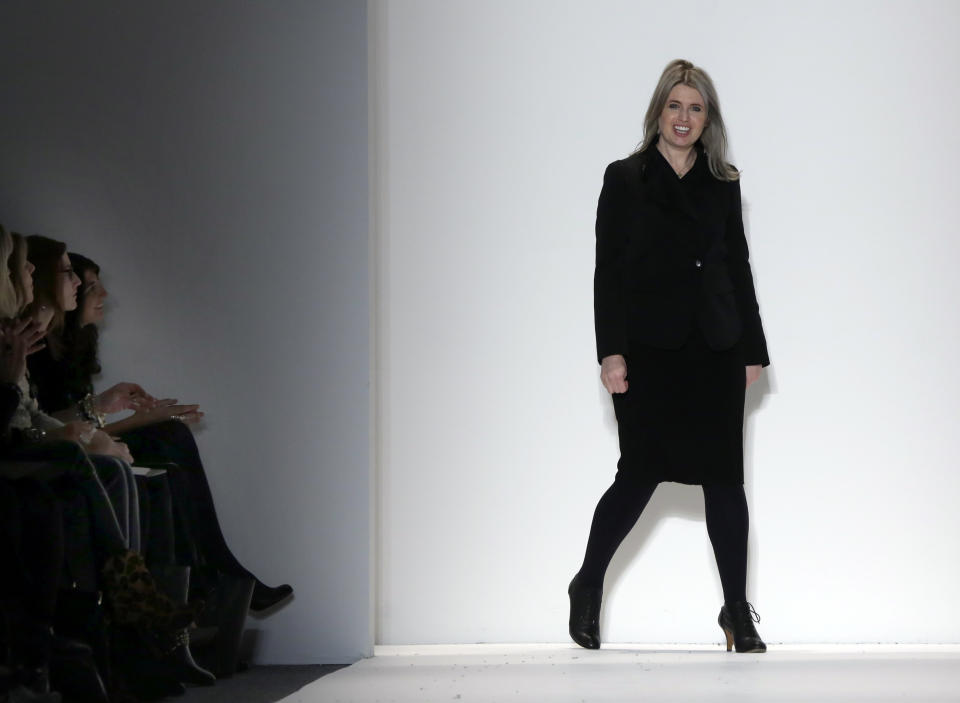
679 338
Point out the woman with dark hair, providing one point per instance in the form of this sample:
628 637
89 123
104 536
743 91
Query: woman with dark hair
115 563
156 432
54 292
679 339
131 590
31 524
46 258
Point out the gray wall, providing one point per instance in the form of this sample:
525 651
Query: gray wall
212 157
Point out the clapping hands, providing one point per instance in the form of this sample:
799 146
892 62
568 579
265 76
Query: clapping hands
18 340
147 409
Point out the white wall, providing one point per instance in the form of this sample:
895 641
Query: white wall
212 158
496 122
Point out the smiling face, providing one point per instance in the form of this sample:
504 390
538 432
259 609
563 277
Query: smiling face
683 118
67 284
91 311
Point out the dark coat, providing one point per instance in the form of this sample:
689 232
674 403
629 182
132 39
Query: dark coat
670 255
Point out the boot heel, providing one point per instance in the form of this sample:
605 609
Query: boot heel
726 632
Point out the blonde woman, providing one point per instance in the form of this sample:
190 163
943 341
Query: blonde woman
679 339
35 442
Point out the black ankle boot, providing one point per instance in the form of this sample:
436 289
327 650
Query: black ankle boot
736 620
175 581
264 597
29 647
73 672
139 672
585 613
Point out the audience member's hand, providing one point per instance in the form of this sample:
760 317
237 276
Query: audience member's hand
18 340
168 409
613 373
753 373
102 443
123 396
73 432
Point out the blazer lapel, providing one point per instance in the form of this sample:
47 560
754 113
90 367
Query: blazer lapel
661 185
673 189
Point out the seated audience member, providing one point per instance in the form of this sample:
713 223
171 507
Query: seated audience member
31 552
31 548
34 438
54 293
155 432
38 658
45 294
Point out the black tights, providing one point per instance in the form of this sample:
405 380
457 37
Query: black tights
199 539
728 522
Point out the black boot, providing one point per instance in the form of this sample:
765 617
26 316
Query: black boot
139 672
264 597
73 672
228 613
175 581
16 692
28 644
585 613
736 620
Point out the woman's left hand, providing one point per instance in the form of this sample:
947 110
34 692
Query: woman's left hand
753 373
168 409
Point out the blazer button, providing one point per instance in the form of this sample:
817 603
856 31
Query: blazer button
698 263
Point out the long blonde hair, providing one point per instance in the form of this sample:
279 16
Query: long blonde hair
714 137
9 303
15 265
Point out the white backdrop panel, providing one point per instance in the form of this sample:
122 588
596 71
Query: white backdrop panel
496 121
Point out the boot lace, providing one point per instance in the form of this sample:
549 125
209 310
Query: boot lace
750 614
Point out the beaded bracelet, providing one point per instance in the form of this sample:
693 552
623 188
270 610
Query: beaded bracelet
88 412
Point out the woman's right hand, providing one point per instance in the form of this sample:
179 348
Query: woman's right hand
613 373
77 431
102 443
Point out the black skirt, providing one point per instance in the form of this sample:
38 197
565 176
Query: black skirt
681 418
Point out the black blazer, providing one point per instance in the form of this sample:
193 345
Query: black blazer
671 255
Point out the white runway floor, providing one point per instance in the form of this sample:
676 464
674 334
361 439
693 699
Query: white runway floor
548 673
